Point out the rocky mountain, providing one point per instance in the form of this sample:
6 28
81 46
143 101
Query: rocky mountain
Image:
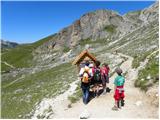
99 26
8 44
102 24
32 72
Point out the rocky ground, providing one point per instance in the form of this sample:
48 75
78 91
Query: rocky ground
138 104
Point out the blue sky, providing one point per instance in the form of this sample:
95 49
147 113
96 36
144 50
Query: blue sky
26 22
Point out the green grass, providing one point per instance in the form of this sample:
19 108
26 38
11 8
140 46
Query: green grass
110 28
43 84
42 41
21 56
140 58
151 69
66 49
135 12
90 41
85 41
5 67
77 95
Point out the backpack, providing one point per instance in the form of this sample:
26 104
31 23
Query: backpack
85 77
97 75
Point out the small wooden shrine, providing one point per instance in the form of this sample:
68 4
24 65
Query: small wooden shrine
82 57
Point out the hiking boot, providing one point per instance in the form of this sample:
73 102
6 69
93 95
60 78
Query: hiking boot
107 89
115 108
95 94
122 103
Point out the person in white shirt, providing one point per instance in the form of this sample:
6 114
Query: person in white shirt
85 81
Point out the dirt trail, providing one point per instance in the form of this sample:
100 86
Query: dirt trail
8 64
136 102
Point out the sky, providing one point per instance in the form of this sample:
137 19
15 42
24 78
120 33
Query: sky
30 21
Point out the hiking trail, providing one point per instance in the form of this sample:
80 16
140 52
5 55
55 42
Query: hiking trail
8 64
137 104
101 107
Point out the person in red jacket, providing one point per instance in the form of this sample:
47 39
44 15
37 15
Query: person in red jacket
105 76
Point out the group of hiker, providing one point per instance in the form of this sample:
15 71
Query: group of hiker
93 76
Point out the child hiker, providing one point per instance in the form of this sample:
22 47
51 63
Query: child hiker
119 89
105 77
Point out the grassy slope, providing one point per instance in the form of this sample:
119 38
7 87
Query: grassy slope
33 88
76 96
5 67
21 56
138 43
152 70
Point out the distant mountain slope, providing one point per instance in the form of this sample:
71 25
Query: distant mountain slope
8 44
22 56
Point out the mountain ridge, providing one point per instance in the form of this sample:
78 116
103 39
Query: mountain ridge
77 31
8 44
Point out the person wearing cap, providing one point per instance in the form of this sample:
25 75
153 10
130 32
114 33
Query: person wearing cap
119 89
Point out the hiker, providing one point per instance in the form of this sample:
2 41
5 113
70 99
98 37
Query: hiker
85 81
92 81
97 77
105 77
119 89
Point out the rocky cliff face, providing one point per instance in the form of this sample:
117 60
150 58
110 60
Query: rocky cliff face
102 24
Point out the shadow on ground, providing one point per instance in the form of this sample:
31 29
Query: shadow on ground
92 95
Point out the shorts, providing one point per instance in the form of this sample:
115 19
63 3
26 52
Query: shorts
118 95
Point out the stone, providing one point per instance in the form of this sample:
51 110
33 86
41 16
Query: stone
138 103
148 77
18 91
84 115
